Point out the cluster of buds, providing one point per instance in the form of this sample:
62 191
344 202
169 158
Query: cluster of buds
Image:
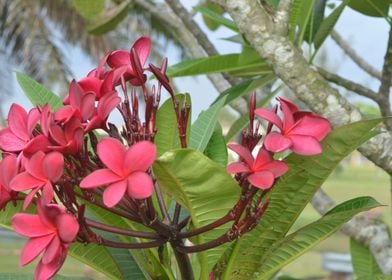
56 163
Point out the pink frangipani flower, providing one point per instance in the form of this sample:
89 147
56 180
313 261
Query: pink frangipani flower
41 171
262 170
9 167
300 131
18 136
125 172
50 232
124 64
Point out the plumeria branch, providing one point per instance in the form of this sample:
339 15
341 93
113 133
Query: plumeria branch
349 85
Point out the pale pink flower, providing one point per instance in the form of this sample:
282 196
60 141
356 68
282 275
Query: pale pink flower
125 172
41 172
300 131
18 136
129 64
9 167
50 232
261 170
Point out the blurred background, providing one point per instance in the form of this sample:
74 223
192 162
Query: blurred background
49 41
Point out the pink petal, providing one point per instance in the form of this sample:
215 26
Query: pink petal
75 94
29 198
277 167
30 225
91 84
140 156
8 170
52 250
263 157
87 106
107 103
276 142
64 113
114 193
118 58
46 271
270 116
34 247
312 125
68 227
38 143
140 185
53 165
290 105
10 142
99 178
305 145
17 122
262 180
288 116
47 192
49 214
32 119
24 181
142 47
57 134
237 167
112 152
243 153
35 166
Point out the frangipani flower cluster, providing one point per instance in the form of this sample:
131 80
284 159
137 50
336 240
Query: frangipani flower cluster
45 157
59 162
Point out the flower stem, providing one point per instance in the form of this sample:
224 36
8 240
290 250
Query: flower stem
183 261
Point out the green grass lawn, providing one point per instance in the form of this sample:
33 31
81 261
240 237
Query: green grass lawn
350 183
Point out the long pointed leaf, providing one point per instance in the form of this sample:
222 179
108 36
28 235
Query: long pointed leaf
299 242
213 64
204 126
364 263
327 25
217 18
37 93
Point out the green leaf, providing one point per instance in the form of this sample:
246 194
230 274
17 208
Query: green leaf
364 263
327 25
213 18
316 18
89 8
167 128
109 19
299 19
37 93
216 148
97 257
293 192
204 126
213 64
294 245
245 87
202 187
373 8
